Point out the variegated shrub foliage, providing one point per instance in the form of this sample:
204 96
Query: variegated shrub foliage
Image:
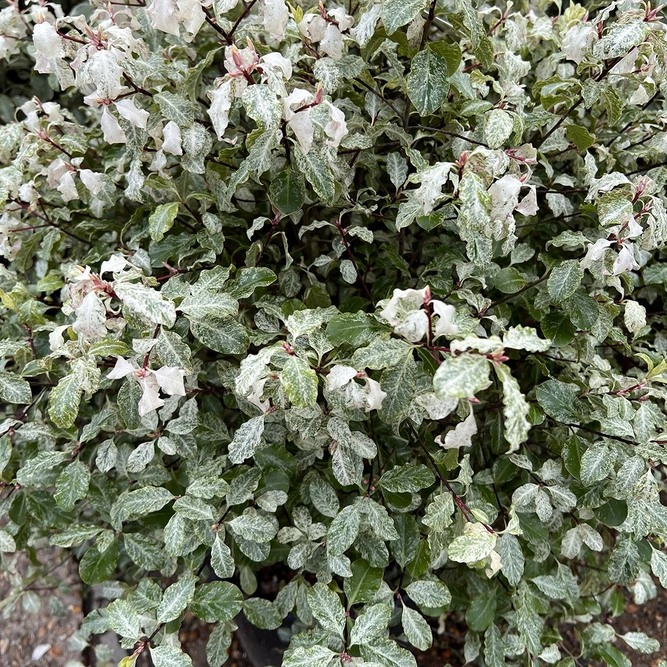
370 295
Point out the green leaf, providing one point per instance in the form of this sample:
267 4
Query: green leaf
429 593
204 304
439 512
218 642
515 409
509 280
558 400
564 280
551 586
427 82
641 642
370 624
327 608
72 485
416 629
409 478
14 389
582 310
596 463
399 384
323 497
173 350
659 566
170 656
379 519
355 329
613 657
162 220
194 509
580 137
397 168
124 619
511 557
262 105
317 172
494 652
386 652
262 613
364 582
299 382
248 280
139 503
109 348
558 328
146 304
64 400
525 338
73 535
343 530
404 548
498 125
450 52
255 526
217 601
36 470
481 611
222 561
287 192
462 376
176 598
246 439
396 13
302 656
475 544
221 334
175 107
96 567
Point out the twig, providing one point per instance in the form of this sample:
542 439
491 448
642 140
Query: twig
144 366
577 104
245 13
214 24
137 89
464 509
272 231
48 220
427 25
342 231
511 296
449 134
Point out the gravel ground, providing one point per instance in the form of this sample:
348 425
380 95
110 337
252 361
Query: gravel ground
53 614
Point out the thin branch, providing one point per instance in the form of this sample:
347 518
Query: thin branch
49 222
463 508
342 231
214 24
449 134
577 104
600 433
379 96
144 366
427 25
511 296
245 13
272 231
137 89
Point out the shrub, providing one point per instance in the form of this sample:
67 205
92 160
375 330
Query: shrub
371 294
